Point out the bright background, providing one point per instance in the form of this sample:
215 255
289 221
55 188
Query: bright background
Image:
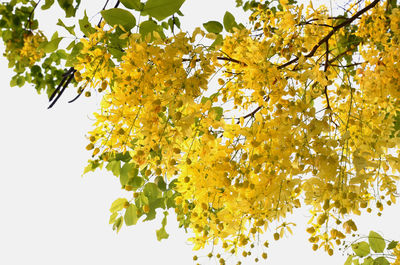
51 215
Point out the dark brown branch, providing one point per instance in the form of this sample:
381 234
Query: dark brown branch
330 34
325 70
326 87
70 77
31 14
231 60
251 114
65 77
69 74
347 65
318 24
232 73
219 58
338 56
105 5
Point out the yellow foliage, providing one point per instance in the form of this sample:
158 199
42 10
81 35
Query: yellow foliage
288 125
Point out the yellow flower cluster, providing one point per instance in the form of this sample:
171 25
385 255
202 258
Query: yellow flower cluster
396 253
94 66
31 50
25 51
153 102
288 125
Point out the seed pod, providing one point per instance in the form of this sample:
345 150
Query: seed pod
104 85
326 205
310 230
90 146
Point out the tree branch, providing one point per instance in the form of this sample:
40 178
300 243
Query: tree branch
31 14
329 35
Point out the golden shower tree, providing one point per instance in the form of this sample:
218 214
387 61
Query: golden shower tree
231 125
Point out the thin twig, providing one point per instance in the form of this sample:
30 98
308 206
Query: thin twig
116 5
325 70
347 65
31 14
104 7
219 58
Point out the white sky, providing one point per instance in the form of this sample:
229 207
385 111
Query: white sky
50 215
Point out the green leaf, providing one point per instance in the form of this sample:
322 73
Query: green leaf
69 29
393 3
113 216
160 9
204 99
147 27
170 201
136 182
219 111
361 249
392 245
124 157
165 25
87 169
118 224
20 81
368 261
396 125
150 215
47 4
131 215
177 22
151 191
72 58
114 167
376 242
143 199
132 4
71 45
229 22
349 260
118 16
127 172
118 205
171 24
13 81
85 25
161 233
67 6
157 203
160 183
52 45
92 165
172 184
381 261
213 26
116 53
217 42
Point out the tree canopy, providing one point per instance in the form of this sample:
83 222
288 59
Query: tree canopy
231 125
